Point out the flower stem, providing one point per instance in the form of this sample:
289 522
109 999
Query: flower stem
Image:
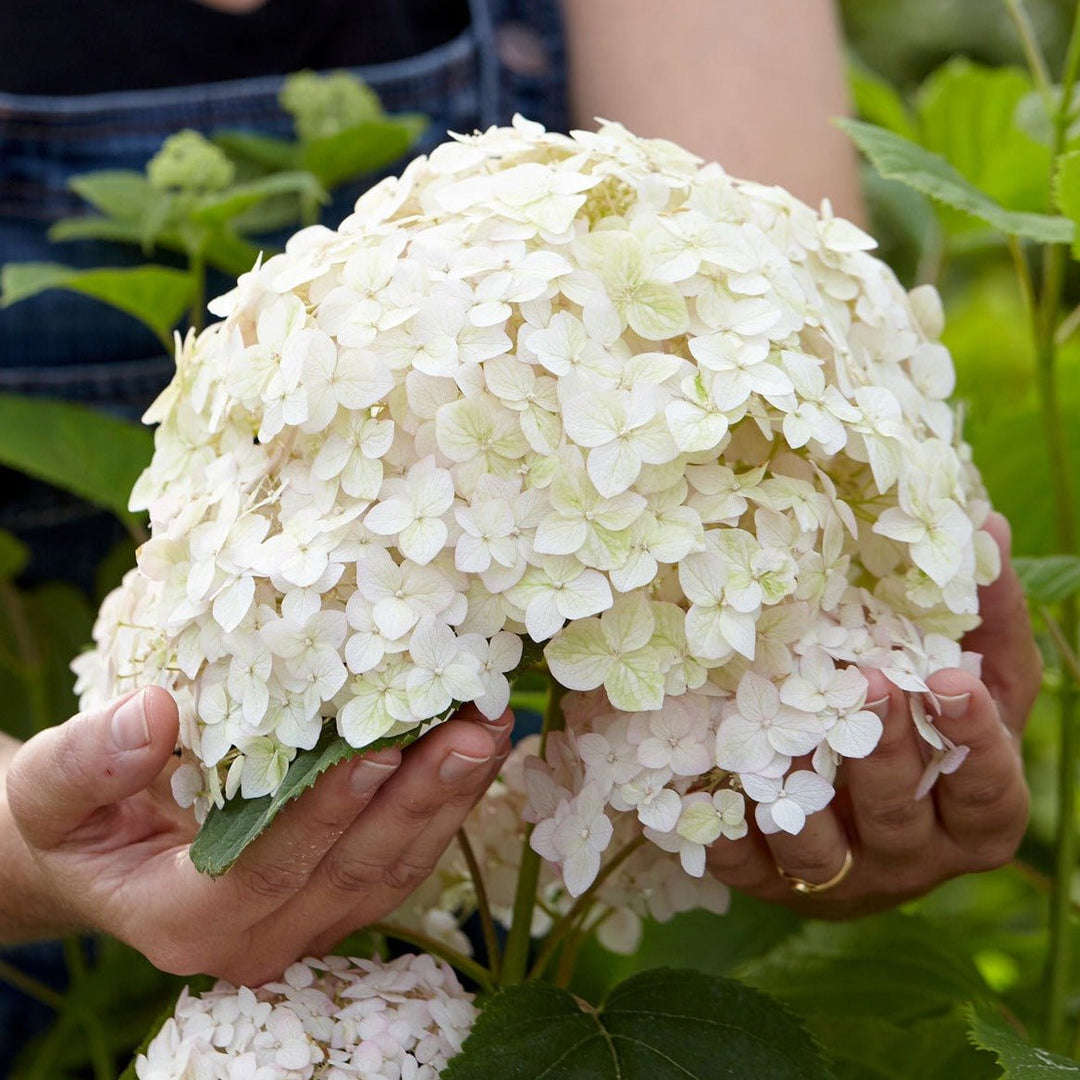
515 960
1032 52
30 986
465 964
1045 326
487 923
580 908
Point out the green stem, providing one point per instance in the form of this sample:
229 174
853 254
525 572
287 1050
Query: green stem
1032 52
487 923
515 959
30 986
1059 961
580 908
97 1044
465 964
197 267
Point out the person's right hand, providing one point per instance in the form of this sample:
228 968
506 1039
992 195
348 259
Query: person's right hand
110 847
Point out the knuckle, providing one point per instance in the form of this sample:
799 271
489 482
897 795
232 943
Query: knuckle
272 879
421 809
894 818
352 875
404 876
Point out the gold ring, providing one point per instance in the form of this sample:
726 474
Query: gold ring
812 888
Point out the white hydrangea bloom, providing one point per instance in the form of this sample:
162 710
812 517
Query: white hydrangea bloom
681 430
335 1019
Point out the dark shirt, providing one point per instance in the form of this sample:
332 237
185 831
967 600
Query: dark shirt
60 47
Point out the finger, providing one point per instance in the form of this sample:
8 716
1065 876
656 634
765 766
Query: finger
1012 667
889 824
983 805
64 774
816 854
747 865
280 862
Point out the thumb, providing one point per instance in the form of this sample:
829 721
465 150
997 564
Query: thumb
65 773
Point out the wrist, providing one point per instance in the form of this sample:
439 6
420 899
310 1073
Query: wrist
31 905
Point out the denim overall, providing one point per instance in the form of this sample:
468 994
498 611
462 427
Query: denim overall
510 59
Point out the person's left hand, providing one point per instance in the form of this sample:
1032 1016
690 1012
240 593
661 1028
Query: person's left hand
901 847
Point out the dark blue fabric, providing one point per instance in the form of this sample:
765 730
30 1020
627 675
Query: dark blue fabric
60 345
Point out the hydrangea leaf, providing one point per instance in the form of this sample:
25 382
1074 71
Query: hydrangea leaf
94 456
1049 579
155 295
362 148
663 1024
14 555
891 965
896 158
968 115
118 193
225 205
878 102
1020 1060
228 830
1067 189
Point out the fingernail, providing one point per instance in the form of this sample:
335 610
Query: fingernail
458 766
130 731
368 774
954 706
879 707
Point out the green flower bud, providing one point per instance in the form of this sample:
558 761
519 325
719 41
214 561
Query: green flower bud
323 105
188 161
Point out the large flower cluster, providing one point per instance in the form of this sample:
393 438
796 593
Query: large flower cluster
335 1019
584 391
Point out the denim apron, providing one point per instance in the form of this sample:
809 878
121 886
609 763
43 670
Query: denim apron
510 59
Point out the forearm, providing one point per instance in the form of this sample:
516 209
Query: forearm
29 908
753 86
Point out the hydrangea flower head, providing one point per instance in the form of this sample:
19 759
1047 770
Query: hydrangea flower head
335 1019
681 430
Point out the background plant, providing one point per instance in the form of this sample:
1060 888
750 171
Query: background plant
896 996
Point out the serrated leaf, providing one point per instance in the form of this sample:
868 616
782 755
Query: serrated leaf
968 116
155 295
878 102
663 1024
1049 579
228 830
81 450
896 158
1067 191
873 1048
14 555
266 151
892 965
362 148
117 193
1020 1061
217 209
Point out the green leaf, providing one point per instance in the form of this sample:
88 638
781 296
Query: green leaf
228 830
217 209
878 102
1033 119
1067 191
265 151
968 116
1049 579
94 456
118 193
900 159
96 227
1019 1060
361 149
891 965
155 295
663 1024
14 555
872 1048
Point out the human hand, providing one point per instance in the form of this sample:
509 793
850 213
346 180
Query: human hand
972 820
110 846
